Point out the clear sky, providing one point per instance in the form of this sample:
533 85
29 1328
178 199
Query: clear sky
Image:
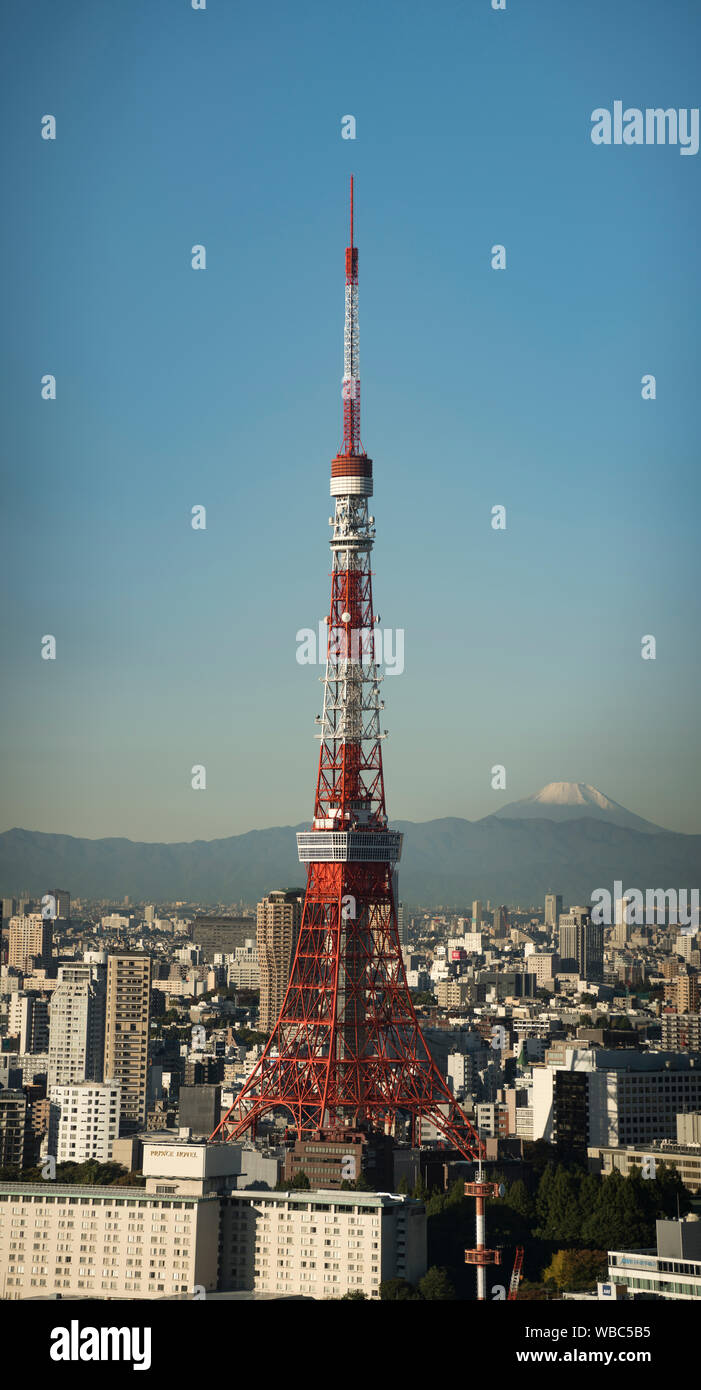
221 387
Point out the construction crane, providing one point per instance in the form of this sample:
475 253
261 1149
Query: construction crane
516 1272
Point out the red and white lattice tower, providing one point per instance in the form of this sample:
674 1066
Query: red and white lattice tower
347 1050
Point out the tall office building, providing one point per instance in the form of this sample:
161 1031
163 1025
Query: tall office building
476 915
127 1035
220 934
500 921
76 1027
401 919
14 1128
553 908
30 939
581 944
28 1021
621 926
683 992
277 928
62 901
401 923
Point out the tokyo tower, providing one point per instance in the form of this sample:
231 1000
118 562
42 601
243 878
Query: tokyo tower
347 1051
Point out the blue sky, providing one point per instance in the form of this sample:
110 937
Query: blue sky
174 388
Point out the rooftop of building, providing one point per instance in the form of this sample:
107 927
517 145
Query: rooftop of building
298 1197
52 1190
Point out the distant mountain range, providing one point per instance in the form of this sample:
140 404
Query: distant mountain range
568 838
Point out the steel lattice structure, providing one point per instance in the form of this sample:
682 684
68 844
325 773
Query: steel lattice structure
347 1049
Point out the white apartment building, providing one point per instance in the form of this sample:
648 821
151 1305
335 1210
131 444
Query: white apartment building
191 1230
76 1027
105 1242
243 969
524 1126
322 1244
83 1121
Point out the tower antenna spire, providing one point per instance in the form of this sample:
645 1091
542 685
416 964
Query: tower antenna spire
351 212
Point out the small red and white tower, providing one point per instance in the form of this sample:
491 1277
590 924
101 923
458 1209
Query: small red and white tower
480 1255
347 1050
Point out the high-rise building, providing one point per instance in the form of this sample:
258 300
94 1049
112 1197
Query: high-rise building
683 992
14 1128
581 944
127 1035
401 922
684 946
28 1021
62 903
277 928
76 1027
621 924
220 934
553 908
83 1121
30 940
476 915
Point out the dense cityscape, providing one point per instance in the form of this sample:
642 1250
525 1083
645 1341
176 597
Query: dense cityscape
128 1031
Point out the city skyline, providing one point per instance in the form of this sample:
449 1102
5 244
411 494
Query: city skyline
176 389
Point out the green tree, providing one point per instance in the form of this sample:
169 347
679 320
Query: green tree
668 1190
542 1201
617 1221
576 1270
300 1180
396 1290
520 1200
435 1286
563 1218
354 1295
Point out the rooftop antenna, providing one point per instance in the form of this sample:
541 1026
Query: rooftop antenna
351 212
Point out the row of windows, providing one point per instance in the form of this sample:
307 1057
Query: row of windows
23 1201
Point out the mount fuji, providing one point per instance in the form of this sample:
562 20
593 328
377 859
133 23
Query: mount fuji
560 801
